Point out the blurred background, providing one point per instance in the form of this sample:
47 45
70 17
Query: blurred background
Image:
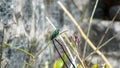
23 24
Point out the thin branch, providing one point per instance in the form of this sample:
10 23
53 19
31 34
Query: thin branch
89 27
108 28
102 45
98 46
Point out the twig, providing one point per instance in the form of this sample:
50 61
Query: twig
82 33
89 27
102 45
108 28
98 46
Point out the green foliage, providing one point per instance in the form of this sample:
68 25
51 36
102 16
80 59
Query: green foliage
105 66
94 66
59 62
79 66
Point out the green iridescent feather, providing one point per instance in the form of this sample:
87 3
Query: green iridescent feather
54 34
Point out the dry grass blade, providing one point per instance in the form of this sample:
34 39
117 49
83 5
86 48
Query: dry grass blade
89 27
108 28
75 50
4 43
98 46
83 34
102 45
40 51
